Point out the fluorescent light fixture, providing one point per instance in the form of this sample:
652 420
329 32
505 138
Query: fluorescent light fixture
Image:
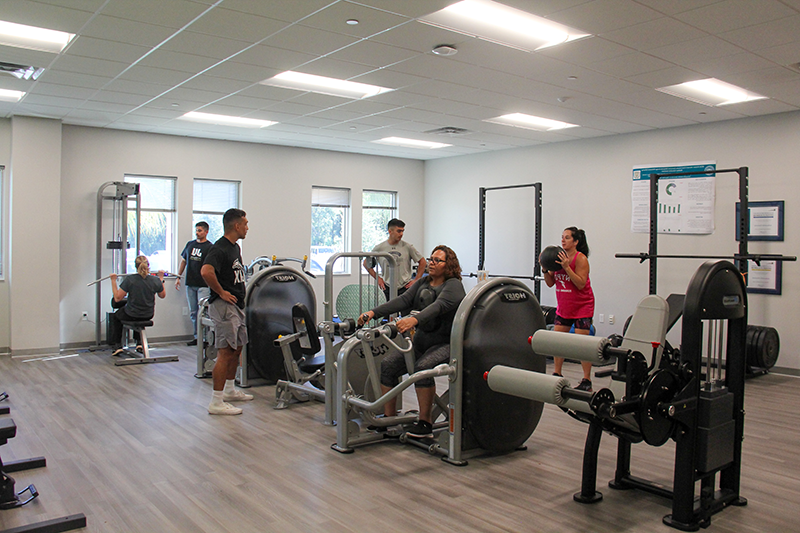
711 92
530 122
503 25
7 95
33 38
323 85
225 120
411 143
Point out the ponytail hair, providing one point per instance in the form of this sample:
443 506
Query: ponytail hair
142 266
580 236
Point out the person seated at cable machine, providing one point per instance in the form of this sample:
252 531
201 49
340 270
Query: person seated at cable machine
436 297
140 291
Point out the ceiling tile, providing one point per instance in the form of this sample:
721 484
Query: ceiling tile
86 65
190 42
773 33
167 59
235 25
85 46
174 14
126 31
690 53
309 40
373 54
371 21
655 33
729 15
285 11
602 16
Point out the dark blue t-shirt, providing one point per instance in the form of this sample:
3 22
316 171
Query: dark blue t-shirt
226 258
193 253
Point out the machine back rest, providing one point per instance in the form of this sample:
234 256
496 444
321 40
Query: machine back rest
303 322
347 301
649 324
491 328
268 309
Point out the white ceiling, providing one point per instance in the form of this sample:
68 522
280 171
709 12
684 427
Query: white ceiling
140 64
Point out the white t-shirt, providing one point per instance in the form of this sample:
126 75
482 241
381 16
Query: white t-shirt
404 253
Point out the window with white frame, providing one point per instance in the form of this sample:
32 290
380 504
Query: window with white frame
211 199
377 209
330 227
157 225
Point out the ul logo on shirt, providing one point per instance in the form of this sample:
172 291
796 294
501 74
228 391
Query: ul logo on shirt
197 252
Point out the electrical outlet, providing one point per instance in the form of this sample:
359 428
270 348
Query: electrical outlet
602 318
611 319
85 316
185 311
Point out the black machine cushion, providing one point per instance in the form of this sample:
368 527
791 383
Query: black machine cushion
497 333
269 314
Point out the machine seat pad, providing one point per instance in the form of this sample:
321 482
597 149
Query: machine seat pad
137 324
312 364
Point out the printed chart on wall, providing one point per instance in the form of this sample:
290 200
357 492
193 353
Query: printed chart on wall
685 203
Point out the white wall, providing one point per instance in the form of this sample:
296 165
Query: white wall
587 183
5 160
276 194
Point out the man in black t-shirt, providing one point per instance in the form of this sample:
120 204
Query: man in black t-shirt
224 274
192 259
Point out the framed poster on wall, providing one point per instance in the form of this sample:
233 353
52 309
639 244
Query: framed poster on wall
765 278
766 221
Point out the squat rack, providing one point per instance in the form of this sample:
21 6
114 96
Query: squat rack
743 223
537 238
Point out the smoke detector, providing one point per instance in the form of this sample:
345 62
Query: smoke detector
445 50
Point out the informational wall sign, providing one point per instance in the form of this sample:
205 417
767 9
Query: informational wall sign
685 203
766 221
764 278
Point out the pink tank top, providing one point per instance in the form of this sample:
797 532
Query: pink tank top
573 303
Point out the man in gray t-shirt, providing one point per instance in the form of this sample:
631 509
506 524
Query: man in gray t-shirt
403 252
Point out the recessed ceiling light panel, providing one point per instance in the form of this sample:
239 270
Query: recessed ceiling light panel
33 38
411 143
225 120
7 95
323 85
503 25
711 92
530 122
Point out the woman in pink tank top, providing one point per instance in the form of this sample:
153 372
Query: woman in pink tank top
573 294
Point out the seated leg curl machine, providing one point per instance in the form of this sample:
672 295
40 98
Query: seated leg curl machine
491 327
671 397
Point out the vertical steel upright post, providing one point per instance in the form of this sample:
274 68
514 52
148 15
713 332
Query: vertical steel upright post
653 250
537 241
481 226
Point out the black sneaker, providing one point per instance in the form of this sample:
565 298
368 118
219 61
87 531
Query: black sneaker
192 342
421 430
585 384
557 375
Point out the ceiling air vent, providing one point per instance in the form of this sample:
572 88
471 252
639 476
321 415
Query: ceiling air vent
449 130
21 71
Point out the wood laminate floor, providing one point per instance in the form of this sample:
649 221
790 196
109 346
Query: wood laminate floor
134 449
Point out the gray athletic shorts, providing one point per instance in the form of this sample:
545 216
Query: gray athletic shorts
230 329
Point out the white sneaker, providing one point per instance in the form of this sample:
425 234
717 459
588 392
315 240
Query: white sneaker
223 409
236 396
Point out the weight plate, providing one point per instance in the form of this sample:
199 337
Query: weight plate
660 387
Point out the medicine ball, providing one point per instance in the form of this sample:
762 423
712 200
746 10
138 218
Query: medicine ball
549 258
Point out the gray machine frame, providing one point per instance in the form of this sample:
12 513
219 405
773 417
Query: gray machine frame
123 191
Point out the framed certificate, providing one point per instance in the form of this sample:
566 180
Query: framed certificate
766 221
764 278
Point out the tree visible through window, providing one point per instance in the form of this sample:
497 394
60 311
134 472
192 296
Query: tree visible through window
211 199
377 209
157 199
330 227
